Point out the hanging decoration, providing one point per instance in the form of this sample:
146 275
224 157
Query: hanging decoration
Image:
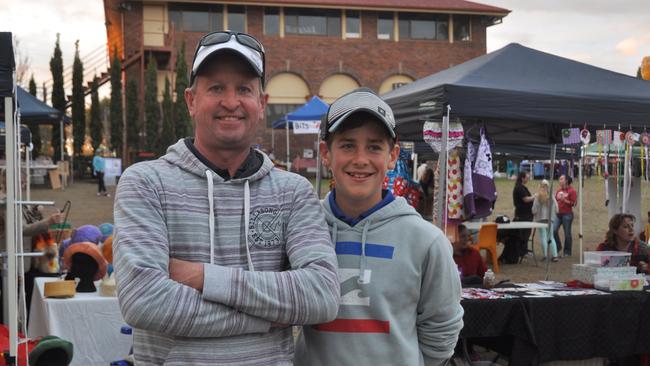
645 159
400 183
454 188
585 136
570 136
480 202
604 139
432 133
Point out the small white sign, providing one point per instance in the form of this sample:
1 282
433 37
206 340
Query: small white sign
306 127
113 167
308 153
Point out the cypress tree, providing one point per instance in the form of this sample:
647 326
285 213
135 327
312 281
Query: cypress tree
34 128
116 103
180 116
58 95
132 116
95 115
44 93
167 136
78 103
151 107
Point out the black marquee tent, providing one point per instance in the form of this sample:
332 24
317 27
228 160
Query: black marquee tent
522 96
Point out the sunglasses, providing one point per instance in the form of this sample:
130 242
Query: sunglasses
219 37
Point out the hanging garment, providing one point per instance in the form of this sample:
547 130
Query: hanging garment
484 193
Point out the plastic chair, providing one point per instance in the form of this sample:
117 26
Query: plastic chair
487 239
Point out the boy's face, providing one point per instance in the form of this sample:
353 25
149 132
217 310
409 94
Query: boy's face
359 159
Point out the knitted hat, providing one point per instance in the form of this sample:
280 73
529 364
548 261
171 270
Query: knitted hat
51 350
106 229
107 249
89 233
89 249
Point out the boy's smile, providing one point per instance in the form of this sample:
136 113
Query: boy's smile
359 158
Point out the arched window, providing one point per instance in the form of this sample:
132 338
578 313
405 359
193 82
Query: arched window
287 92
336 85
394 82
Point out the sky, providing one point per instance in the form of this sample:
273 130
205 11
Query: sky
614 35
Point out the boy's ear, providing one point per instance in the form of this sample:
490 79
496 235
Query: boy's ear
394 154
324 153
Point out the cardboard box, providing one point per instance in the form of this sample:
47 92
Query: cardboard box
608 259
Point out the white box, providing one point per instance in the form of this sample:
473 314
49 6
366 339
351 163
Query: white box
608 259
586 273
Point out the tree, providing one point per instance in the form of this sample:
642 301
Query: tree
58 95
34 128
95 115
44 93
167 137
22 62
78 103
116 103
132 116
151 106
638 73
180 115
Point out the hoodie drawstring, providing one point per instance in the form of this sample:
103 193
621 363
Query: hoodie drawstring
247 207
208 175
247 216
362 262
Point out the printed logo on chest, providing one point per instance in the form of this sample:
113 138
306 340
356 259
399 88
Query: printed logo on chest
265 228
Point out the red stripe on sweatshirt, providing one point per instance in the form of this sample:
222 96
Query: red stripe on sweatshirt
355 326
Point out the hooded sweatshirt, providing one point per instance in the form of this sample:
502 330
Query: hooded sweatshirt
400 293
267 253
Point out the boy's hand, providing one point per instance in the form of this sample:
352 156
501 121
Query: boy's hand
187 273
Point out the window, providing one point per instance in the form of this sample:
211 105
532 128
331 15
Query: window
352 24
461 28
312 22
196 17
275 112
423 26
237 18
271 21
385 26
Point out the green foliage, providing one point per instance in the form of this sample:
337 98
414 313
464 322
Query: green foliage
151 107
78 103
132 116
34 128
116 103
167 137
180 116
95 115
638 73
58 95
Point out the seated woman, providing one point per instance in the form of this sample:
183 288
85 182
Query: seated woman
469 260
620 238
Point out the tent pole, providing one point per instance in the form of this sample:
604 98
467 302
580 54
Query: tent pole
442 162
28 157
581 182
11 298
415 165
272 139
286 127
318 168
61 134
551 202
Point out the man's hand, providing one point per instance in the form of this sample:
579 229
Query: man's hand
187 273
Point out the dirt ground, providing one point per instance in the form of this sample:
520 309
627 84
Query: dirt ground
88 208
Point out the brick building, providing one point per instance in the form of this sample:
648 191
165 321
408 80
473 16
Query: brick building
313 47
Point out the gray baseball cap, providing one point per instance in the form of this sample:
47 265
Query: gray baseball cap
358 100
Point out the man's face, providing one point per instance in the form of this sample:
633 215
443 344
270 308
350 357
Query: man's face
226 105
359 159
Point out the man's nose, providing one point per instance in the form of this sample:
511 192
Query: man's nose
230 100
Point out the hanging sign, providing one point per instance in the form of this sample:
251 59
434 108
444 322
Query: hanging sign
306 127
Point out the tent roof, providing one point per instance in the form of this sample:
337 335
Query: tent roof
33 110
313 110
515 89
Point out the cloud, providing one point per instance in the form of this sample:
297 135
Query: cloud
628 47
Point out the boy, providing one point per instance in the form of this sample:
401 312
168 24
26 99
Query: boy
400 290
468 259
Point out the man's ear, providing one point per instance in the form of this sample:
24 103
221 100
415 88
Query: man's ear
189 100
325 154
394 154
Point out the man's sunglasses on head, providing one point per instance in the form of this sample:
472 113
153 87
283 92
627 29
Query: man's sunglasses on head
219 37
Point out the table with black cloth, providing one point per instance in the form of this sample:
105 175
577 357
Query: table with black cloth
535 330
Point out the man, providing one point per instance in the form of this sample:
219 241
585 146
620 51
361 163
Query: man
400 289
566 198
216 252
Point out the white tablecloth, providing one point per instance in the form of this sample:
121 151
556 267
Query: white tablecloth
511 225
91 322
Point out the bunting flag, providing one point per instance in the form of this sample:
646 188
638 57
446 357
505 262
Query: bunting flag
570 136
604 137
585 136
432 133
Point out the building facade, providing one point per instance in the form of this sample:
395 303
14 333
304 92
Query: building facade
322 48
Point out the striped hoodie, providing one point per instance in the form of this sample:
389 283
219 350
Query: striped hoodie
267 253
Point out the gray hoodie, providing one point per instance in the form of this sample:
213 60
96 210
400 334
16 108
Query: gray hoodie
400 294
267 253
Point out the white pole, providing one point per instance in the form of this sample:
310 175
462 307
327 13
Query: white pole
272 139
415 165
61 137
580 180
11 300
286 127
28 157
442 161
318 167
551 202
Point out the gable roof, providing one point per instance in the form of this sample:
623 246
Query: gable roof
459 6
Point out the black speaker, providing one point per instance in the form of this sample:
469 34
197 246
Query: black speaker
7 64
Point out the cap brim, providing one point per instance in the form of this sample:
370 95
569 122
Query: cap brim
253 57
374 113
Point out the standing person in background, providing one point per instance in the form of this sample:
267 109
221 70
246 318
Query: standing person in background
523 202
425 205
216 252
566 198
99 164
541 214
